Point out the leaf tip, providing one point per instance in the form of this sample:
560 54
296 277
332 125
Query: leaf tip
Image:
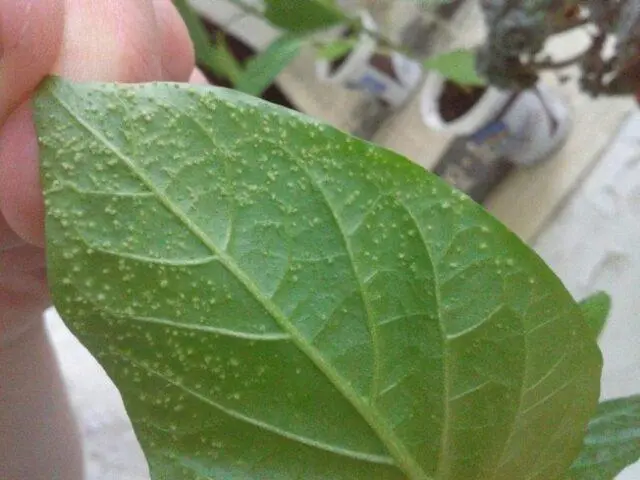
596 309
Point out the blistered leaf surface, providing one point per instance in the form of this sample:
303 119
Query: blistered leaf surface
276 299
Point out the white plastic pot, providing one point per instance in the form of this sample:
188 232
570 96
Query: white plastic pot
527 127
358 72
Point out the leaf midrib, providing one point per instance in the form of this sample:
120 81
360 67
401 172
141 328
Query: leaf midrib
443 464
344 237
373 417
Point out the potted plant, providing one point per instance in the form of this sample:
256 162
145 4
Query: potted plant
516 116
525 126
386 74
509 117
514 54
351 51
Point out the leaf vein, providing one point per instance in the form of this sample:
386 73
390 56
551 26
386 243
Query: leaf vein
444 439
202 328
255 422
372 327
368 411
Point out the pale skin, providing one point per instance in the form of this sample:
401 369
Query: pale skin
102 40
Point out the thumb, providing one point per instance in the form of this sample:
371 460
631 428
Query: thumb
31 33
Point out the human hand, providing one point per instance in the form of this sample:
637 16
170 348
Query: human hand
97 40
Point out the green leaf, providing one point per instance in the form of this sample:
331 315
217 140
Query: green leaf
264 67
276 299
217 58
224 60
304 17
336 48
595 310
197 32
612 442
458 66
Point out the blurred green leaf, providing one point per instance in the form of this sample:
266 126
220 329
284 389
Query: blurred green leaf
217 58
595 310
457 66
304 16
336 48
612 442
264 67
223 57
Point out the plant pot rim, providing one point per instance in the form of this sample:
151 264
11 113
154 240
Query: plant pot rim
356 60
491 101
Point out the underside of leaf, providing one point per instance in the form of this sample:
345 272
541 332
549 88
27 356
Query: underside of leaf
276 299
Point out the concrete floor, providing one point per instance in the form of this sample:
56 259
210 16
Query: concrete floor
591 244
111 449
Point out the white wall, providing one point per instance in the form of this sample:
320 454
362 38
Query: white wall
594 244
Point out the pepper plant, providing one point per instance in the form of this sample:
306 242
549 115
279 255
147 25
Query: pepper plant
512 56
300 22
276 299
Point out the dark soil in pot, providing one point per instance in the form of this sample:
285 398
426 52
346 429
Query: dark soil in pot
455 100
337 63
384 64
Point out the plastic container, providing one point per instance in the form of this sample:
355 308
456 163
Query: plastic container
391 77
527 127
